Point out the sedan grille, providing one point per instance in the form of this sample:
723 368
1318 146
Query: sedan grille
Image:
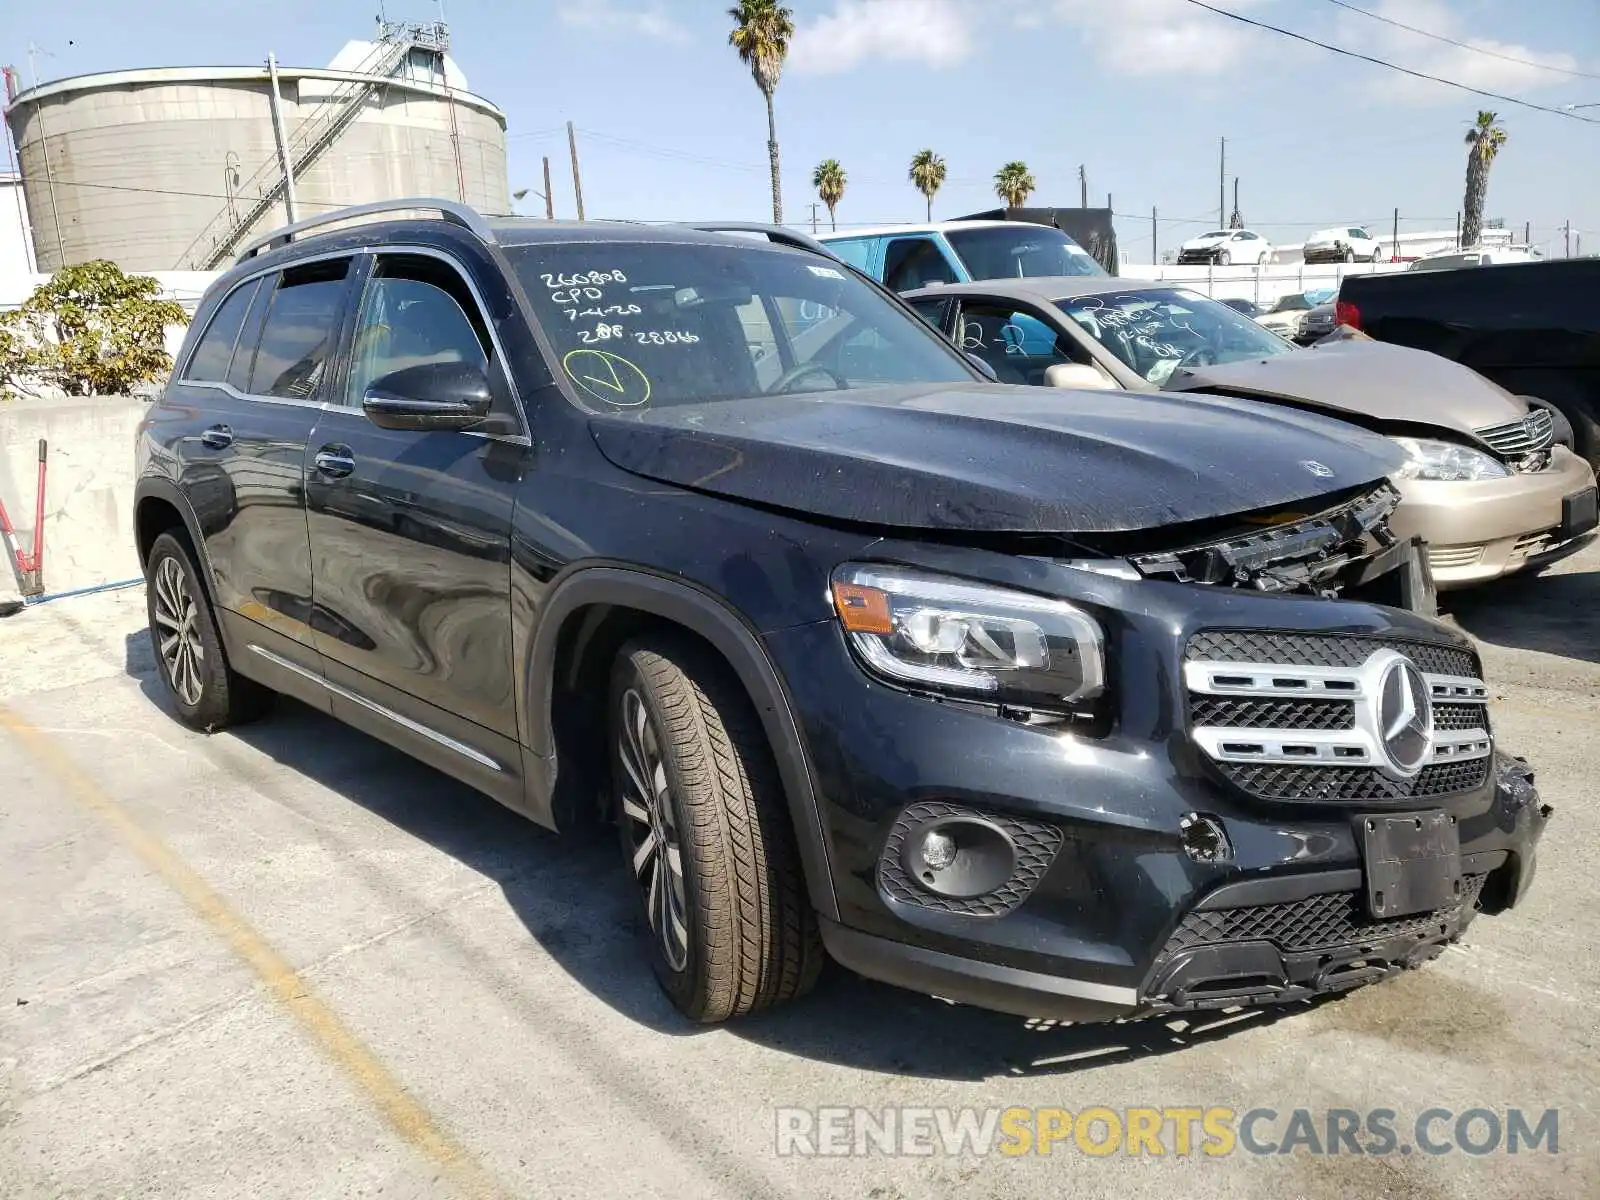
1298 717
1522 436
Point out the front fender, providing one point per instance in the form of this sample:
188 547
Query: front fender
708 616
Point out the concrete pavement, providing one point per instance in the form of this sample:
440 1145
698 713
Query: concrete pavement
288 961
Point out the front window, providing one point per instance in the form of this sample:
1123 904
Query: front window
1020 251
637 325
1157 331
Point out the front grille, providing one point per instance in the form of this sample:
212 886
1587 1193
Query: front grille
1036 846
1522 436
1450 558
1271 781
1233 712
1296 720
1323 650
1314 923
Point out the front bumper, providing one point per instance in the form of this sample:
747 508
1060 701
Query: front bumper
1119 919
1485 529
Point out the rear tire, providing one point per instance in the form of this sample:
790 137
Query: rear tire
705 829
207 692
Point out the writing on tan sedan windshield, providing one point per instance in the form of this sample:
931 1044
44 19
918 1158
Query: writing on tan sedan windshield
1159 330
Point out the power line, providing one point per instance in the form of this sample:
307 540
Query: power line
1449 41
1382 62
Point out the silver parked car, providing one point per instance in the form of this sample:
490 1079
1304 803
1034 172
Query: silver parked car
1488 485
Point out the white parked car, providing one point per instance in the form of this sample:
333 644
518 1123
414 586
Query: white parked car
1473 256
1347 243
1227 247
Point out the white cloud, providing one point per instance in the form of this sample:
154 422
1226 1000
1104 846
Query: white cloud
1433 57
935 33
650 21
1147 37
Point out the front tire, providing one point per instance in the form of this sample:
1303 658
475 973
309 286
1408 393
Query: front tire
705 828
207 692
1224 259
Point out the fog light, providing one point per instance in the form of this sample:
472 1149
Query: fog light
1204 839
938 850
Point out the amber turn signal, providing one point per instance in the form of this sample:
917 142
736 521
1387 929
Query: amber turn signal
862 609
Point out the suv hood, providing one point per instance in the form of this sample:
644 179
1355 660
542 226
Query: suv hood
1369 378
996 458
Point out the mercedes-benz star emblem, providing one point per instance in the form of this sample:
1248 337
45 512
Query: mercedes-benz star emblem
1403 712
1320 470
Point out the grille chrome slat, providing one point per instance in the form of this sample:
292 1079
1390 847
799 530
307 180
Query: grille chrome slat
1341 747
1523 436
1320 683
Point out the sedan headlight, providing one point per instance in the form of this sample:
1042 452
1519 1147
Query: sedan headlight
1447 461
970 640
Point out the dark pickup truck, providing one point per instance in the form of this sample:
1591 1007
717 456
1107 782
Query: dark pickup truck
1533 328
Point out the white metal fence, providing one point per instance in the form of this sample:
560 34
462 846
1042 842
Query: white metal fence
1263 284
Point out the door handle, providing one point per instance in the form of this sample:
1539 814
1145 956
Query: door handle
218 437
335 461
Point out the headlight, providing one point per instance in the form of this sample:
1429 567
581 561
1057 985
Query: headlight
970 640
1447 461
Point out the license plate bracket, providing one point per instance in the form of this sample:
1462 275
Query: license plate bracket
1412 862
1580 512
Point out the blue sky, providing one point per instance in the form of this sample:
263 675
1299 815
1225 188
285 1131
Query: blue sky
1137 91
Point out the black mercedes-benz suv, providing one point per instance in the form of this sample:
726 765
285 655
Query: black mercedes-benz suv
1057 702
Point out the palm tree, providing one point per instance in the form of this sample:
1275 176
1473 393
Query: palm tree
1484 140
1013 182
829 179
927 173
761 33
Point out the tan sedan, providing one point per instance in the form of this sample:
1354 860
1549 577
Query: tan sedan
1489 484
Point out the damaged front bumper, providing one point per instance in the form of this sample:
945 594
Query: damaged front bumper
1147 874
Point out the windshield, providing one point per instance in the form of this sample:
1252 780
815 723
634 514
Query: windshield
1156 331
1020 251
645 324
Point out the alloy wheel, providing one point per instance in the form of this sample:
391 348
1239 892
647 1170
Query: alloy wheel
178 639
652 829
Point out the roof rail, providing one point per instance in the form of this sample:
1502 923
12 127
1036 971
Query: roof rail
774 233
458 214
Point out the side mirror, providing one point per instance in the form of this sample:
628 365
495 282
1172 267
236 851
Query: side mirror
450 395
1077 375
986 367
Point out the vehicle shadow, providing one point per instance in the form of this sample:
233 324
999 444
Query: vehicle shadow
573 896
1551 613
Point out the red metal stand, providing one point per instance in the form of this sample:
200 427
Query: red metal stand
30 567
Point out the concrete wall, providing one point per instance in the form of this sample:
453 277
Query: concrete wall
88 526
1261 284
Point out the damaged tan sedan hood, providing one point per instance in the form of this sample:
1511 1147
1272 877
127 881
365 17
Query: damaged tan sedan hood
1367 378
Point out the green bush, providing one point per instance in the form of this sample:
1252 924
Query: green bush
90 330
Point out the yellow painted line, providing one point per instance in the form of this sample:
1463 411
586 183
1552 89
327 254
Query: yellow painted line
413 1123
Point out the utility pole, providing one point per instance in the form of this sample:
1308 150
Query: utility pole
1527 233
1458 229
549 196
1397 233
1236 216
577 183
276 101
1566 231
1222 186
813 216
1083 187
1155 254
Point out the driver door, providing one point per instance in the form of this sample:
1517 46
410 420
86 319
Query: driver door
410 534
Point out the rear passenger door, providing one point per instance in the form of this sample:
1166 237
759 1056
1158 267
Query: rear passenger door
410 533
260 404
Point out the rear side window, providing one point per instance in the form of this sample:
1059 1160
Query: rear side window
299 332
209 363
911 263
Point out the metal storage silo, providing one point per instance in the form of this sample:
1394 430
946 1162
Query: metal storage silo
172 168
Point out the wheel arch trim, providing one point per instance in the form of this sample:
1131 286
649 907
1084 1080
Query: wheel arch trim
156 487
709 617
